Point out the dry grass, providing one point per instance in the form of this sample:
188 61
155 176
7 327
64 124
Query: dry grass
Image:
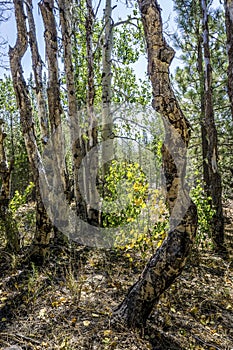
67 304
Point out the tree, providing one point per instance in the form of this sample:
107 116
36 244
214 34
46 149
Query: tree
37 66
214 177
170 258
229 31
43 224
107 122
190 84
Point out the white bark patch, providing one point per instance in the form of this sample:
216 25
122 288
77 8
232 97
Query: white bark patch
214 162
205 36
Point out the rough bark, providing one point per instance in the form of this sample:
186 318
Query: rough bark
214 176
6 218
51 48
92 195
43 225
37 65
78 144
170 258
204 141
107 123
60 182
229 31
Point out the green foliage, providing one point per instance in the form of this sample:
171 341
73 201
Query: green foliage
125 188
14 142
205 214
139 214
148 233
23 213
20 199
189 82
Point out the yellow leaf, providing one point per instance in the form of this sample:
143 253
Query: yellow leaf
193 310
138 201
3 299
86 323
107 332
62 299
4 319
129 175
130 219
55 304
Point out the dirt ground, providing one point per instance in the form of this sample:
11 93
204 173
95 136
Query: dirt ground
67 304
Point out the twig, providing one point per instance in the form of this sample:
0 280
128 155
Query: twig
9 335
203 342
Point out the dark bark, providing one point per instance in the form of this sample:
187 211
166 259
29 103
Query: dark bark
170 258
43 225
229 31
204 141
214 176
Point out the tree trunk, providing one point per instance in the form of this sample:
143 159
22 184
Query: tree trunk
92 157
214 177
37 65
60 182
107 123
204 141
78 144
6 218
229 31
43 225
170 258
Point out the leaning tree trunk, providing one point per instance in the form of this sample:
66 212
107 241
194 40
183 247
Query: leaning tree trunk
169 260
229 31
214 177
43 225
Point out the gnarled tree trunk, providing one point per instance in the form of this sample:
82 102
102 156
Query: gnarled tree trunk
170 258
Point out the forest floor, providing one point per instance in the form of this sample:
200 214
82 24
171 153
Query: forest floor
67 304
